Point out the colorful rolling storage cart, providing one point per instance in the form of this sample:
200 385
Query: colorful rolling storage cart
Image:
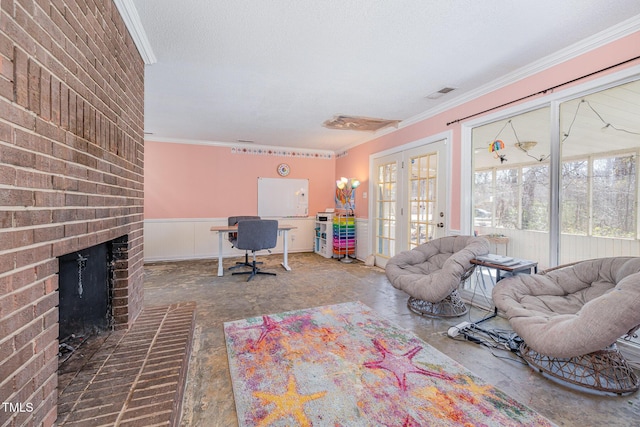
344 236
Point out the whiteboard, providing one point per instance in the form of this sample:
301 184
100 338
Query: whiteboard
282 197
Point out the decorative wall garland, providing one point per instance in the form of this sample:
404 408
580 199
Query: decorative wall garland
282 153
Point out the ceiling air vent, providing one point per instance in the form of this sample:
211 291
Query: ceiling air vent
358 123
441 92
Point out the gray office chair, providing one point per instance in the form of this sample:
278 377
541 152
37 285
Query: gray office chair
233 238
255 235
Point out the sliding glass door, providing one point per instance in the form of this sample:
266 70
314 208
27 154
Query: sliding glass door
579 205
599 145
511 180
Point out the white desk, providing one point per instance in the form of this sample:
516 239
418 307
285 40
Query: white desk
223 229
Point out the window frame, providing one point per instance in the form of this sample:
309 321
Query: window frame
552 100
589 159
520 183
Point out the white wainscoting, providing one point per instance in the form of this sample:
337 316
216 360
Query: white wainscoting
579 248
534 245
181 239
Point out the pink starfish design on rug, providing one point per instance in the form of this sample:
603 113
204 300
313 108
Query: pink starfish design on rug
401 365
268 325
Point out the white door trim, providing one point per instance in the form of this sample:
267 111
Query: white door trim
447 136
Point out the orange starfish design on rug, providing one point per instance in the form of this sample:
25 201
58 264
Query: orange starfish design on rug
290 403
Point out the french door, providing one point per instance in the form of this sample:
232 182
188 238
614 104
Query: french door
409 199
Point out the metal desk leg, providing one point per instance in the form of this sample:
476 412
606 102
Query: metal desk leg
220 269
481 270
285 248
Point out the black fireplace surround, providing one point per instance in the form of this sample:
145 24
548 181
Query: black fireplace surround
85 286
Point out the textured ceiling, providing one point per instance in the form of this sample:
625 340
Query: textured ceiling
274 71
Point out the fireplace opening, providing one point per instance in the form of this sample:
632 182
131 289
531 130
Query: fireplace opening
85 286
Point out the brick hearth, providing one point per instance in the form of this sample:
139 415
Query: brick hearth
135 377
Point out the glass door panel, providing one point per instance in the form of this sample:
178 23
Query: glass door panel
595 180
599 145
410 199
511 189
423 197
385 208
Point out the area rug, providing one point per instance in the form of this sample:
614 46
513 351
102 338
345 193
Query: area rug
343 365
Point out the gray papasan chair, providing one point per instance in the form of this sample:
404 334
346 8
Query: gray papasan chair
432 272
571 316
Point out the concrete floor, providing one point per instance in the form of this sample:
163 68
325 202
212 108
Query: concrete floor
316 281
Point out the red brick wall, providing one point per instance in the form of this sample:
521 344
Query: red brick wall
71 168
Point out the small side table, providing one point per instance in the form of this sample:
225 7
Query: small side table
523 266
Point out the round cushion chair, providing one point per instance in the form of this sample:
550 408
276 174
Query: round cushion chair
570 317
432 272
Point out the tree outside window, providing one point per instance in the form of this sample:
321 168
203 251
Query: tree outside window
614 197
535 198
506 198
574 209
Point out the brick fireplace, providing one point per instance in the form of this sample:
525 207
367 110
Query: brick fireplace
71 178
86 284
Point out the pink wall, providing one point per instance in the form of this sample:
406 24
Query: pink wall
356 163
198 181
201 181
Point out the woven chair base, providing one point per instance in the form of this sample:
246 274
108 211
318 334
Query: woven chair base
451 306
604 370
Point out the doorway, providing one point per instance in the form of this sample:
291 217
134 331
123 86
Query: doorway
409 197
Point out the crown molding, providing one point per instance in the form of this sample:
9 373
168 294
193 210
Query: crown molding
132 21
603 38
600 39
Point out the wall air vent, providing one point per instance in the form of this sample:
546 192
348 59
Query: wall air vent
358 123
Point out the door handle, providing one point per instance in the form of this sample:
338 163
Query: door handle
440 225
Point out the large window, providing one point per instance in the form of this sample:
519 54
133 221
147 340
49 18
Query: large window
506 198
600 196
574 209
596 178
599 146
614 196
535 197
511 183
483 207
519 199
